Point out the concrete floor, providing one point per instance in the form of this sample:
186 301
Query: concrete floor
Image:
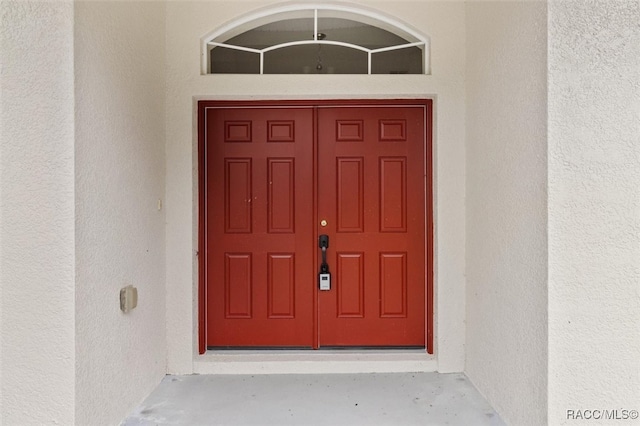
316 399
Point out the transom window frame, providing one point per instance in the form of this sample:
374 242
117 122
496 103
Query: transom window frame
270 15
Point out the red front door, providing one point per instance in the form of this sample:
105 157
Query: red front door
371 197
259 221
277 177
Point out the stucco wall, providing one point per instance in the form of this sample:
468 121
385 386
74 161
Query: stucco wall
120 358
187 22
37 212
506 339
594 208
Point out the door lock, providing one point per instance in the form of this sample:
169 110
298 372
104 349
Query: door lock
324 277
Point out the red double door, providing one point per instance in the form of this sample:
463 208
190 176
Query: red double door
278 177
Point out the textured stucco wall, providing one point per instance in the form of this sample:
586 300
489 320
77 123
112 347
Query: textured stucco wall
187 22
594 208
506 339
37 213
120 358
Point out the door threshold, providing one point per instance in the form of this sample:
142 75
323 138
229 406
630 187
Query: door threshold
328 361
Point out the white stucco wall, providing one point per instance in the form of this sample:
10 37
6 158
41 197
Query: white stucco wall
119 66
37 213
594 208
187 22
506 338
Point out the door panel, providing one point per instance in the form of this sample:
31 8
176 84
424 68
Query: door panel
259 223
371 192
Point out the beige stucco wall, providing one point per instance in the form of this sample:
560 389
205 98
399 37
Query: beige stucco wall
119 176
506 204
187 22
594 208
37 213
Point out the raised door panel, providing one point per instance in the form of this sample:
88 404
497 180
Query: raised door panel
350 275
281 180
350 194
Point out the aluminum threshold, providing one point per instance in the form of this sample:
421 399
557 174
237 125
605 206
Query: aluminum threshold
325 361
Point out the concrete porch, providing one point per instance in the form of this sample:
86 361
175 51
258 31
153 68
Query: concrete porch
315 399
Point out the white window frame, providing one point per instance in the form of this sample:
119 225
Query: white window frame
251 21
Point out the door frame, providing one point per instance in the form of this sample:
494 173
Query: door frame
427 104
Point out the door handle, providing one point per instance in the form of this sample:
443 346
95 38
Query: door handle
324 277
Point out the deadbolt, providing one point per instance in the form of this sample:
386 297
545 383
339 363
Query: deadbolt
323 222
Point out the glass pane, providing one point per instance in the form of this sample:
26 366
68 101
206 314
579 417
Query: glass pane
401 61
316 59
232 61
275 33
358 33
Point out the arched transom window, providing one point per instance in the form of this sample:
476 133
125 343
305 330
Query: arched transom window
315 39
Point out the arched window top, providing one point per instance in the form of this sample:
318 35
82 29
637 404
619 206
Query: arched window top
318 39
